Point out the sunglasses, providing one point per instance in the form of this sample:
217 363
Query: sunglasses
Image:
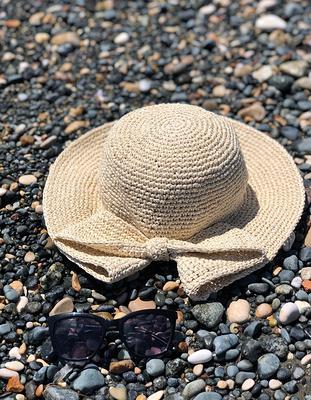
145 334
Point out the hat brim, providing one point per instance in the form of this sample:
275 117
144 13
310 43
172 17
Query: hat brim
272 207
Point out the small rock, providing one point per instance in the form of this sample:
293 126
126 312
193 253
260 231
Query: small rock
75 126
307 286
268 364
224 343
63 306
170 286
238 311
306 359
264 310
155 367
66 37
122 38
14 385
270 22
305 273
198 369
263 73
118 367
193 388
42 37
302 306
275 384
6 373
14 365
304 83
29 257
200 357
118 392
207 10
208 396
27 180
88 381
22 303
281 82
4 329
255 112
248 384
54 392
294 68
289 313
208 314
296 282
138 304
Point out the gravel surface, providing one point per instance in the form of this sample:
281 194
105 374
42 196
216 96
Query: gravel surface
72 65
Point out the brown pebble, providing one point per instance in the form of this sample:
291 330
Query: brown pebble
75 126
65 305
307 286
222 384
183 347
13 23
18 286
119 367
14 385
138 304
39 391
263 310
29 257
255 112
66 37
76 111
26 140
170 286
75 283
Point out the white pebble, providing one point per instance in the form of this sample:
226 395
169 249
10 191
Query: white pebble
14 365
270 22
296 282
20 396
306 360
302 305
305 273
122 38
275 384
23 301
156 396
200 357
14 353
29 325
289 313
7 373
248 384
207 10
27 179
144 85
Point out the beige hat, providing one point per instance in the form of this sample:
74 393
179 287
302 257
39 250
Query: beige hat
173 182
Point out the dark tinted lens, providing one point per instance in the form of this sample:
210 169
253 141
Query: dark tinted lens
147 334
77 337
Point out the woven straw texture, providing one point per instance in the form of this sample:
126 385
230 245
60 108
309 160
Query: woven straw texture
176 182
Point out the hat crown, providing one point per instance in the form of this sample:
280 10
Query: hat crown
172 170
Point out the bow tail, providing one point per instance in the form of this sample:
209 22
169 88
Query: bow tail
225 254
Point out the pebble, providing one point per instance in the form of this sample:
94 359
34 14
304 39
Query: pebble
224 343
208 314
198 369
122 38
289 313
14 365
75 126
193 388
155 367
6 373
66 37
138 304
118 392
54 392
200 357
88 381
306 359
263 73
118 367
263 310
295 68
304 83
5 328
208 396
170 286
305 273
156 396
63 306
270 22
255 112
247 384
268 364
275 384
27 180
238 311
29 257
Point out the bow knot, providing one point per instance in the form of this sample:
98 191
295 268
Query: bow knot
157 249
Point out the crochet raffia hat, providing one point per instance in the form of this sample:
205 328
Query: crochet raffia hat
173 182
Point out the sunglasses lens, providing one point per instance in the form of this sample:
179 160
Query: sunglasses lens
147 335
77 338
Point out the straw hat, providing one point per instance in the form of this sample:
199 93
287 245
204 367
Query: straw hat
173 182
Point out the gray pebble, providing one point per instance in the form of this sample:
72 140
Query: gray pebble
268 365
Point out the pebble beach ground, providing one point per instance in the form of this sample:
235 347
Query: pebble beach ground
72 65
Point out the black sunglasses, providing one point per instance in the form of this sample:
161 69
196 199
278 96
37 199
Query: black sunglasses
145 334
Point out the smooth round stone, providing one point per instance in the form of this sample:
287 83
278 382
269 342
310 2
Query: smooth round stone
122 38
193 388
155 367
296 282
306 359
14 353
259 288
232 370
138 304
275 384
200 357
263 310
156 396
88 381
208 314
29 257
232 354
23 301
145 86
286 275
253 329
298 373
54 392
243 375
290 132
296 68
238 311
283 289
63 306
5 328
6 373
305 252
291 263
248 384
118 392
268 364
208 396
27 180
270 22
263 73
245 365
224 343
198 369
14 365
289 313
305 273
302 306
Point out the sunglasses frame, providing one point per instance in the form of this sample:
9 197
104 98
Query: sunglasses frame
106 324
